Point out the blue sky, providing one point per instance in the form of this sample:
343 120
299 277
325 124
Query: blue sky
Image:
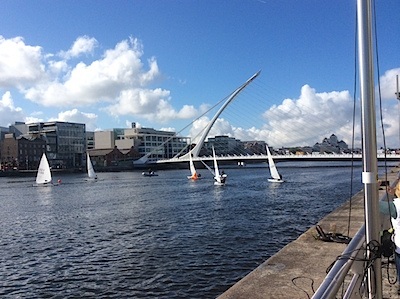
163 63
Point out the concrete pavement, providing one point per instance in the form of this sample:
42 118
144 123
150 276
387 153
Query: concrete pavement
298 269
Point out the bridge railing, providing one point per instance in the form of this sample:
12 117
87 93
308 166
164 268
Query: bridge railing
259 157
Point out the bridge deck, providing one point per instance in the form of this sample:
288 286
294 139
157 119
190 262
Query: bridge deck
282 158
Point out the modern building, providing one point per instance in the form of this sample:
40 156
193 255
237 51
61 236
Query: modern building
224 145
89 140
3 132
255 147
65 142
18 128
157 143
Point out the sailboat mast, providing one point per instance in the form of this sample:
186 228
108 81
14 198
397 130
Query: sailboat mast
368 124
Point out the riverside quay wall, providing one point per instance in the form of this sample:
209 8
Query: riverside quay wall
299 268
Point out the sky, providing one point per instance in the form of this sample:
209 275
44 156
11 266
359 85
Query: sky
162 64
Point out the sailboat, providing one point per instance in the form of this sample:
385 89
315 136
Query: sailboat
43 177
194 176
219 178
91 173
276 177
149 173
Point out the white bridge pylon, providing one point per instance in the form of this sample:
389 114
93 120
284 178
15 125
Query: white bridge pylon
196 149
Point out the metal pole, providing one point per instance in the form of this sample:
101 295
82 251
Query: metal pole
397 93
370 164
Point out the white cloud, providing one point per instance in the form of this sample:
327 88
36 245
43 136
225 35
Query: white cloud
138 101
117 83
389 84
82 45
57 67
20 64
32 120
169 129
9 114
391 120
150 104
75 116
309 118
102 80
295 122
118 78
220 127
187 112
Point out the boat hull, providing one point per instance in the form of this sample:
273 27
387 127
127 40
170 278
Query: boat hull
149 174
275 180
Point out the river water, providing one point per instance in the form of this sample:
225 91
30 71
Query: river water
129 236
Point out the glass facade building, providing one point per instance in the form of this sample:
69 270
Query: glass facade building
65 142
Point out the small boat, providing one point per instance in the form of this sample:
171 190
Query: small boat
219 178
91 173
149 173
276 177
43 177
194 175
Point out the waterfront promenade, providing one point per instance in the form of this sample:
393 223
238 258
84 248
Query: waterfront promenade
299 268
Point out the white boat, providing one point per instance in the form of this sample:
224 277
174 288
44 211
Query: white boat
219 178
91 173
149 173
43 177
275 176
194 175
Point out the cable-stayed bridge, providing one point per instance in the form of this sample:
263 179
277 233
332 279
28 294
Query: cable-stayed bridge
236 159
242 156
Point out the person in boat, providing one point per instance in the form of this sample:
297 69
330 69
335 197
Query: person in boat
223 177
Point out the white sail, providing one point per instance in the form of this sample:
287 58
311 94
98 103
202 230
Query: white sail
91 173
216 170
194 175
218 178
272 168
208 167
44 173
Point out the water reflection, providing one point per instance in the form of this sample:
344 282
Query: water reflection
44 194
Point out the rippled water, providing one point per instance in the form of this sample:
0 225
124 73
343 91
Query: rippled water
128 236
